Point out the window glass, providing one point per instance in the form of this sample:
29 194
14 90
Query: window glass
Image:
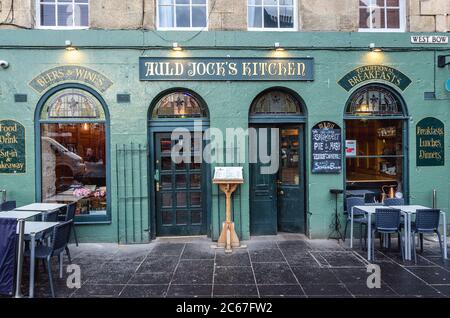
290 150
275 102
178 105
182 13
375 146
381 14
73 152
63 13
271 14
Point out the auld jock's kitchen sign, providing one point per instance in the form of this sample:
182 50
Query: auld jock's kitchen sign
226 69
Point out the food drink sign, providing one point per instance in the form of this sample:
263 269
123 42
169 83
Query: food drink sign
430 142
226 69
12 147
326 148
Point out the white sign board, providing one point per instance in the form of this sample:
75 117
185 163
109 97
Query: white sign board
429 39
350 148
228 173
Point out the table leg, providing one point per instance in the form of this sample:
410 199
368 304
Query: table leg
369 236
61 265
407 243
351 227
444 232
32 263
21 226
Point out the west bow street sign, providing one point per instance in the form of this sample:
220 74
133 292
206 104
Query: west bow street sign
226 69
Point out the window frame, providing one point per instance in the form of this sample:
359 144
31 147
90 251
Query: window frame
174 28
79 219
402 17
56 27
263 29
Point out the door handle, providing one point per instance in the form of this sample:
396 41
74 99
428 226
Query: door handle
281 192
157 187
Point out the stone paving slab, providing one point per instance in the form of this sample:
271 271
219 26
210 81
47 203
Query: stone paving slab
285 265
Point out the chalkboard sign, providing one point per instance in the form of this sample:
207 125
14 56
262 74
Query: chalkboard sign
326 148
12 147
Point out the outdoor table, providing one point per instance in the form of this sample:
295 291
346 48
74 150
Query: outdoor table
369 210
41 207
18 214
34 230
409 210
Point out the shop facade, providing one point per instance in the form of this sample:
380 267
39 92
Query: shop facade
94 124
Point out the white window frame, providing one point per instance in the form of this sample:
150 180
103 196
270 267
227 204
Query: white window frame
56 27
402 13
295 15
190 5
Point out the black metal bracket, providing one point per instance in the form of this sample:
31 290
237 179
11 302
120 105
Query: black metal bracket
442 60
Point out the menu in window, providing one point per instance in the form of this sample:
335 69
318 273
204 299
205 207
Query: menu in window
228 174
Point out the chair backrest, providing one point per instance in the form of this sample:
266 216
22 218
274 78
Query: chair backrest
427 220
353 201
387 219
51 216
8 241
71 208
394 201
61 236
8 206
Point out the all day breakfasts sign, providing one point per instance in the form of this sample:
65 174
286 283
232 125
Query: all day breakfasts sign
226 69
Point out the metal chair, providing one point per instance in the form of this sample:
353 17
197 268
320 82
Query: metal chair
69 215
8 206
427 222
60 239
387 221
394 201
358 217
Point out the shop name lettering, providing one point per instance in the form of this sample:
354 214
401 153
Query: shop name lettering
70 73
219 69
429 142
375 72
224 68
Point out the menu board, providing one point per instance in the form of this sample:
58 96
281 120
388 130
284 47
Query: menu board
326 148
12 147
430 142
228 174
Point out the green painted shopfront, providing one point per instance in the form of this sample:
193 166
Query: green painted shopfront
89 117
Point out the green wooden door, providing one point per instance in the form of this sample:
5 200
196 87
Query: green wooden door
179 193
291 189
277 201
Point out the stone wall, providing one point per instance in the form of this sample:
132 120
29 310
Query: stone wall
313 15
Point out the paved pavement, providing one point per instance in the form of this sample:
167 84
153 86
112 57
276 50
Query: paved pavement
285 265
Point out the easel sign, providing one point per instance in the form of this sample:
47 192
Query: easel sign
228 179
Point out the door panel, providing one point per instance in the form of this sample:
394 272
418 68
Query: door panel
178 191
291 211
263 198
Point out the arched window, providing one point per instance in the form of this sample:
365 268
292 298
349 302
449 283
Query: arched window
72 125
179 105
374 100
375 129
275 102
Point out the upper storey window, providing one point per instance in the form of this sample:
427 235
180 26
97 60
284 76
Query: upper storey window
382 15
272 15
62 14
182 14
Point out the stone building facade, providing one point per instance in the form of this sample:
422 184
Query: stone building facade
231 15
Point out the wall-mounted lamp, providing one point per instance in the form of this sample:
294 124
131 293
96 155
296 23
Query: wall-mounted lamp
278 47
69 46
442 61
176 47
373 48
